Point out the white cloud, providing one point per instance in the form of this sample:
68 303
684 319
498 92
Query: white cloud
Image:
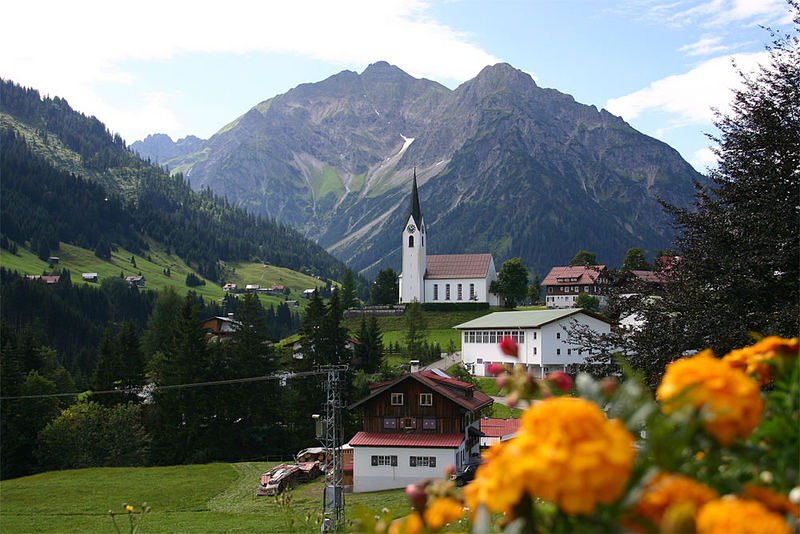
66 48
690 97
703 159
716 13
704 47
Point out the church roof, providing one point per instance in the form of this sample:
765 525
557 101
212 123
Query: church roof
458 266
415 210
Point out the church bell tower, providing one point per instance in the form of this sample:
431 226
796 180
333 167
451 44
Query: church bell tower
412 277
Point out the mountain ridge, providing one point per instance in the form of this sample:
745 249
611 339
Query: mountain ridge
334 158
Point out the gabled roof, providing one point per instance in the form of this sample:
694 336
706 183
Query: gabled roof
584 274
525 319
458 266
497 428
399 439
650 276
461 393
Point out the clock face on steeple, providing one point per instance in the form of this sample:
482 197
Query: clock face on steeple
411 228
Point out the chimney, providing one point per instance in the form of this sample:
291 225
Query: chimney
414 366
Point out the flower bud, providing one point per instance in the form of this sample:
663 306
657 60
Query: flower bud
417 495
512 399
495 368
449 470
560 380
609 386
502 380
509 346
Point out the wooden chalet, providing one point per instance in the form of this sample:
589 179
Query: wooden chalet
413 427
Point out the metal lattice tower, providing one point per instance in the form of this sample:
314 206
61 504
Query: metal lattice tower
333 499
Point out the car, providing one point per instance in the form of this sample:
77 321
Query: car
465 474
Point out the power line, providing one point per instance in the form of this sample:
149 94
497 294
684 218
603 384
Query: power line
152 388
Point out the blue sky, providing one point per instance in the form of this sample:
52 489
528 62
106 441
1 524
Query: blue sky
191 67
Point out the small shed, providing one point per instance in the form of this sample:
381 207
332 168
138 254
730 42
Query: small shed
89 277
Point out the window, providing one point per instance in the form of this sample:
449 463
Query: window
447 292
534 335
558 335
549 289
569 352
558 351
409 422
534 350
428 423
426 399
422 461
410 241
459 292
397 399
384 460
585 289
389 423
435 291
471 291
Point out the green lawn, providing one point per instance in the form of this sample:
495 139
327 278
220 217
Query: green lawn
193 498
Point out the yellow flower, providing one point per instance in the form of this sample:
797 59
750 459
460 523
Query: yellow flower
410 524
758 359
773 500
442 511
666 493
731 400
566 452
129 508
731 515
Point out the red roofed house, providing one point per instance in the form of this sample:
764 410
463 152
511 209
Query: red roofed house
415 426
562 285
493 430
443 277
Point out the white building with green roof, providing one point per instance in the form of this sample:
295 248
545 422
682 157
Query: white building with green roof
544 345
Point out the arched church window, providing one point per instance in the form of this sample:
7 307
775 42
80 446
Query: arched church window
410 241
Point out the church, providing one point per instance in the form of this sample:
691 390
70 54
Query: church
441 277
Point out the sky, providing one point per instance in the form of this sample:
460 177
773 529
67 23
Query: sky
189 68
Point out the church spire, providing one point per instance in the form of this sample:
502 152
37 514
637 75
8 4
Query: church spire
415 211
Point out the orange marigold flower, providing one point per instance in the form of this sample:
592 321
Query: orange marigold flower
731 400
442 511
738 516
410 524
566 452
667 491
759 358
773 500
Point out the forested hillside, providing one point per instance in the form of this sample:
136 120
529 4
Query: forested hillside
138 199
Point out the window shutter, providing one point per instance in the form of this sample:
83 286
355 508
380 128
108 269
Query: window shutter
433 461
412 461
394 461
374 460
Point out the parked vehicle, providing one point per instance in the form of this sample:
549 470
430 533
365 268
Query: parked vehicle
464 475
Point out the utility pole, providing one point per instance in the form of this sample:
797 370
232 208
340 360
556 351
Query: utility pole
333 497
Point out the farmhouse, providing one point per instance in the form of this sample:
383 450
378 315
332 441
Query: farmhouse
444 277
562 285
414 426
137 281
544 346
220 327
89 277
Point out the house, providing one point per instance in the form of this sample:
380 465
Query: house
562 285
276 290
307 293
252 287
493 429
137 281
413 427
89 277
292 304
53 259
220 327
544 345
48 278
229 288
443 277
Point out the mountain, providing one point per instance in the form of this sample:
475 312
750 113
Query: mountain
67 179
504 166
160 147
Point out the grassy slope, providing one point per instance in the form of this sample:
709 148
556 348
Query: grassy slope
79 260
192 498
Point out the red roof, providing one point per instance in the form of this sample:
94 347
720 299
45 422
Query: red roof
650 276
497 428
397 439
458 266
583 274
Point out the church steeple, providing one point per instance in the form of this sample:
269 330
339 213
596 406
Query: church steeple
415 212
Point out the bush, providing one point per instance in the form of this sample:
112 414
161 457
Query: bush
192 280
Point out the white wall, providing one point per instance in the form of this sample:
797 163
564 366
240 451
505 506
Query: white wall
540 350
367 477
